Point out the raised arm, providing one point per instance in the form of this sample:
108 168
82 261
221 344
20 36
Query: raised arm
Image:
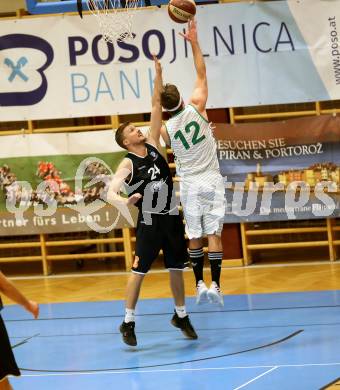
156 110
200 93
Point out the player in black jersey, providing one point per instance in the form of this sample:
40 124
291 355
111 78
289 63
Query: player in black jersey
8 365
159 225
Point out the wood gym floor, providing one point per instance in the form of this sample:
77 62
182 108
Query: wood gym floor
238 280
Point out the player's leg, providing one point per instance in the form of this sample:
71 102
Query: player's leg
193 217
212 221
180 319
215 254
148 244
197 258
177 288
197 262
175 257
127 328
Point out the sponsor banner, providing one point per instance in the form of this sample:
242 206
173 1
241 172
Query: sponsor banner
58 66
52 183
64 220
281 170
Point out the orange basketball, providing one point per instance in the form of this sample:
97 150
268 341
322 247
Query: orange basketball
180 11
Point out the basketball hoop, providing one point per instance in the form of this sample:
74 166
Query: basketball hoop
114 18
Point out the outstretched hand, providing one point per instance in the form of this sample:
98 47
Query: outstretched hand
33 308
191 34
133 199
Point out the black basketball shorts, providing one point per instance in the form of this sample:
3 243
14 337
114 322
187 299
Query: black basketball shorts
165 232
8 364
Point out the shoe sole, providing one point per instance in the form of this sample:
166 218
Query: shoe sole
126 342
185 334
189 337
129 344
213 298
203 298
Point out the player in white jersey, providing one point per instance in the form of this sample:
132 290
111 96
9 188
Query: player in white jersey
201 185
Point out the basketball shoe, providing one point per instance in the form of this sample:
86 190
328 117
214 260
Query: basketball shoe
202 290
215 294
184 325
127 329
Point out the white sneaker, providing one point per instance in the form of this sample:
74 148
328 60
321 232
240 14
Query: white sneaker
215 294
202 290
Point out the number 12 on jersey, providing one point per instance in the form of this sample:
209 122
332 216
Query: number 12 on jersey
195 138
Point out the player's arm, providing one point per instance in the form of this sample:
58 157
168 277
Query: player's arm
122 174
156 110
199 95
165 136
8 289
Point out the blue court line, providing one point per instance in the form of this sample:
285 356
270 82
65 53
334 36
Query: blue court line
24 341
170 313
175 363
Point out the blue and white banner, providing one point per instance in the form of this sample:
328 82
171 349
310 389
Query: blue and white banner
256 53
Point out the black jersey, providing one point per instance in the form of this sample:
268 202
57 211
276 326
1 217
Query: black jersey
151 177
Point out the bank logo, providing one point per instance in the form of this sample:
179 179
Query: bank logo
17 69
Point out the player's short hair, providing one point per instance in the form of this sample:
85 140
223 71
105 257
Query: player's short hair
119 136
170 96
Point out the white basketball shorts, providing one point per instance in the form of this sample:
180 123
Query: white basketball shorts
203 201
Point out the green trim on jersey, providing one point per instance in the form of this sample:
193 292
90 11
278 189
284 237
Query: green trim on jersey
205 120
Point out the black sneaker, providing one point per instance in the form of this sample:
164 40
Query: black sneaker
127 329
185 325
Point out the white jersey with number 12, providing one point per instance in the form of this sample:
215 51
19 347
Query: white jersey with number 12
192 142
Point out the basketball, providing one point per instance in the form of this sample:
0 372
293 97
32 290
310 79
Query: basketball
180 11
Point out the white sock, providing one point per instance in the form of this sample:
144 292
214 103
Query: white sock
129 315
181 312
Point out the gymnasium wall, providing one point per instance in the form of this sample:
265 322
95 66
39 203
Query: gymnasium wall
244 243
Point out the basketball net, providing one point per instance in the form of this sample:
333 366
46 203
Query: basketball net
114 18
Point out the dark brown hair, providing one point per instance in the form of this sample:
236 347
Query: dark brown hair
170 96
119 136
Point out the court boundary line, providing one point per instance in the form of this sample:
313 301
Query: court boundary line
183 369
256 378
169 314
268 345
38 335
